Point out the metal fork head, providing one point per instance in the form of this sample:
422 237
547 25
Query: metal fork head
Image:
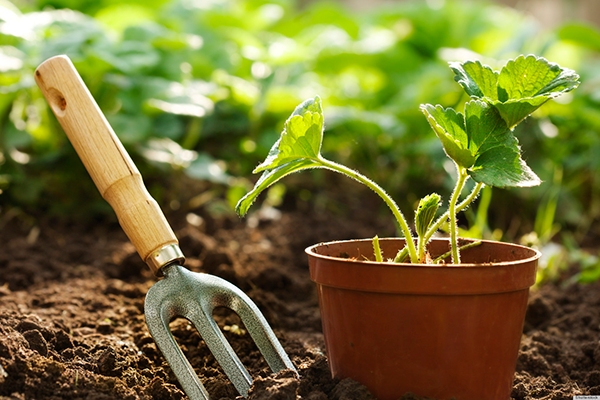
194 296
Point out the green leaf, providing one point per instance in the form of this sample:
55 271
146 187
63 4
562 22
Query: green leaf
503 167
521 86
449 126
297 149
301 137
476 79
270 177
485 128
425 213
504 99
530 76
527 82
482 143
515 111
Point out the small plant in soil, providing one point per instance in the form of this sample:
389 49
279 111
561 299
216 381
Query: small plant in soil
479 140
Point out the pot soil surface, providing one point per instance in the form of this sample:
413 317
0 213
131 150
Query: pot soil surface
72 323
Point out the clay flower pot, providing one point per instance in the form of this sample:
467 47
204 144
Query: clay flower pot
439 331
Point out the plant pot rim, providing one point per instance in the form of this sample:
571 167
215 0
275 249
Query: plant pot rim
535 254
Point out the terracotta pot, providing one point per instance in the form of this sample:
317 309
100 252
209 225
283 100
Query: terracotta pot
439 331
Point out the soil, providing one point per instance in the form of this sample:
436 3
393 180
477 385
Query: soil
72 321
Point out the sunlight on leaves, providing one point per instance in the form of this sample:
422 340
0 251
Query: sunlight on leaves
297 149
301 137
449 126
521 86
482 143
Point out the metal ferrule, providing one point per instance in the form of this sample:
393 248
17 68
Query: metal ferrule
164 256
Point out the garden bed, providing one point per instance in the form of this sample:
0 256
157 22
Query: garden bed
72 323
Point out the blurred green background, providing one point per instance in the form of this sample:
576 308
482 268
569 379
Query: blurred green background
198 91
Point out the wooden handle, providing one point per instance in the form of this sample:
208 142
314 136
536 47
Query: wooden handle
114 173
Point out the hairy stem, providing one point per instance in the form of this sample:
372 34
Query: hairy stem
384 196
401 255
461 248
421 244
461 206
377 249
460 184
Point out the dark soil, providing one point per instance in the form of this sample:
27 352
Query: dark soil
72 322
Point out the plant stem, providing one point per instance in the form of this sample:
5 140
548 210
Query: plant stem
331 165
377 249
401 255
444 217
421 244
461 248
460 184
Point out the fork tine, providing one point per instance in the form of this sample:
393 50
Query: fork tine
256 325
218 292
194 296
229 361
158 312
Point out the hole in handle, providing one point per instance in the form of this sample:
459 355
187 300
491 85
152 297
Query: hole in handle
57 102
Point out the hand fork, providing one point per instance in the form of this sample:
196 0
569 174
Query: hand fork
181 292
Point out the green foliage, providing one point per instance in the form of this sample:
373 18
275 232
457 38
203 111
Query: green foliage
297 149
301 137
520 88
480 142
218 79
499 161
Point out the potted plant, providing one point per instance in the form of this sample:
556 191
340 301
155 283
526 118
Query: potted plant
438 317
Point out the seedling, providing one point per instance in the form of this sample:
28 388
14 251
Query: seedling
480 141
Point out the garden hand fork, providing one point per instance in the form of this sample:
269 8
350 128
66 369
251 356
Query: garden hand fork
180 292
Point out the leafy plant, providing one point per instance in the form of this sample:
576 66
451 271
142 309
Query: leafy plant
219 78
480 141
